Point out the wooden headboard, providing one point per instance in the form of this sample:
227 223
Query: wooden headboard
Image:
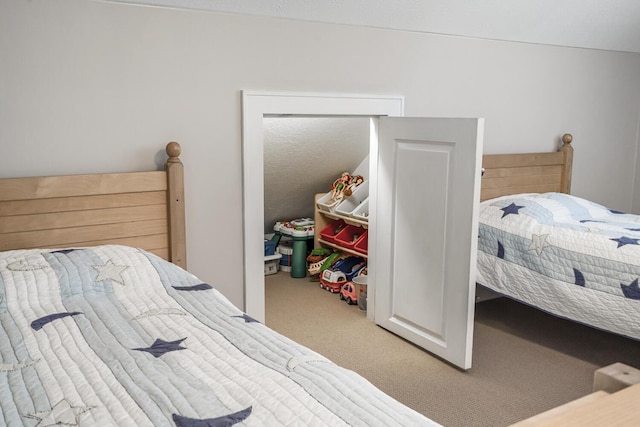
506 174
138 209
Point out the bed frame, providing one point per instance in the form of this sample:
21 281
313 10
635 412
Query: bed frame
506 174
139 209
146 209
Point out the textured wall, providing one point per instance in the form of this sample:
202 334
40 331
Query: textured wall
303 156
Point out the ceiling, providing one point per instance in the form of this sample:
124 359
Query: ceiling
593 24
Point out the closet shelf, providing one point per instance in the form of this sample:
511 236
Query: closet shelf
325 234
346 218
342 248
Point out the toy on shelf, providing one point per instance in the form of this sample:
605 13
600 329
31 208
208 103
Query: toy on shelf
348 293
320 266
341 188
316 259
345 185
341 272
330 232
332 280
355 291
318 254
300 230
300 227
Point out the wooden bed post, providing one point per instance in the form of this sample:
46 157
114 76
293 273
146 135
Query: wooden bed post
567 151
175 203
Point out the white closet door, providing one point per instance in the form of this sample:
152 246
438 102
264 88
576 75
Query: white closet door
425 223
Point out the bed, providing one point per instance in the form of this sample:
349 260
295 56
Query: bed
560 253
100 324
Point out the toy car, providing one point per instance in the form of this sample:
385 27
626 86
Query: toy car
341 272
332 280
350 266
348 293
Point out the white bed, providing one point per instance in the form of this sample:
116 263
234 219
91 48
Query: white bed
116 336
565 255
562 254
105 328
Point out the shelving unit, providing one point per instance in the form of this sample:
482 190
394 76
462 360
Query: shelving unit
323 218
343 249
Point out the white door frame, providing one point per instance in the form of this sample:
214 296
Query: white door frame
255 106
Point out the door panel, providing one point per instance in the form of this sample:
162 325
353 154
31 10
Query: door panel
426 205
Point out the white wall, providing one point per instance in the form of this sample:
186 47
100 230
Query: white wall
636 188
90 86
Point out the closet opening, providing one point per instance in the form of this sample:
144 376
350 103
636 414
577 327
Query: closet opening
303 157
421 255
256 107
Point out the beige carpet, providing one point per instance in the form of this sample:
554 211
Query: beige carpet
524 361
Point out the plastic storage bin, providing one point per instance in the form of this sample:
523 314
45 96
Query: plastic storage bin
287 252
350 203
348 237
271 264
362 211
362 244
330 232
325 203
360 283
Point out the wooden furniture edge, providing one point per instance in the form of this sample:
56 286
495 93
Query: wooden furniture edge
567 150
175 205
140 209
593 410
506 174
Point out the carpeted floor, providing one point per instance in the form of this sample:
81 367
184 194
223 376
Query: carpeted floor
524 361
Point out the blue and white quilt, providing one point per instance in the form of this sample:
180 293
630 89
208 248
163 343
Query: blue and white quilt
566 255
115 336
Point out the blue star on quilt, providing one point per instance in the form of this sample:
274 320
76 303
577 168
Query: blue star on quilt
631 290
511 209
226 420
161 347
247 318
40 322
625 241
539 243
500 253
579 277
62 413
110 271
200 287
64 251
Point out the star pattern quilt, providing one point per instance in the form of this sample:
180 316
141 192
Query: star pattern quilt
115 336
563 254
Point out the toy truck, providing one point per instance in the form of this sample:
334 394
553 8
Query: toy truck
341 272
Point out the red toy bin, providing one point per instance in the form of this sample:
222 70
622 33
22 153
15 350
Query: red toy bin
329 233
362 244
349 235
